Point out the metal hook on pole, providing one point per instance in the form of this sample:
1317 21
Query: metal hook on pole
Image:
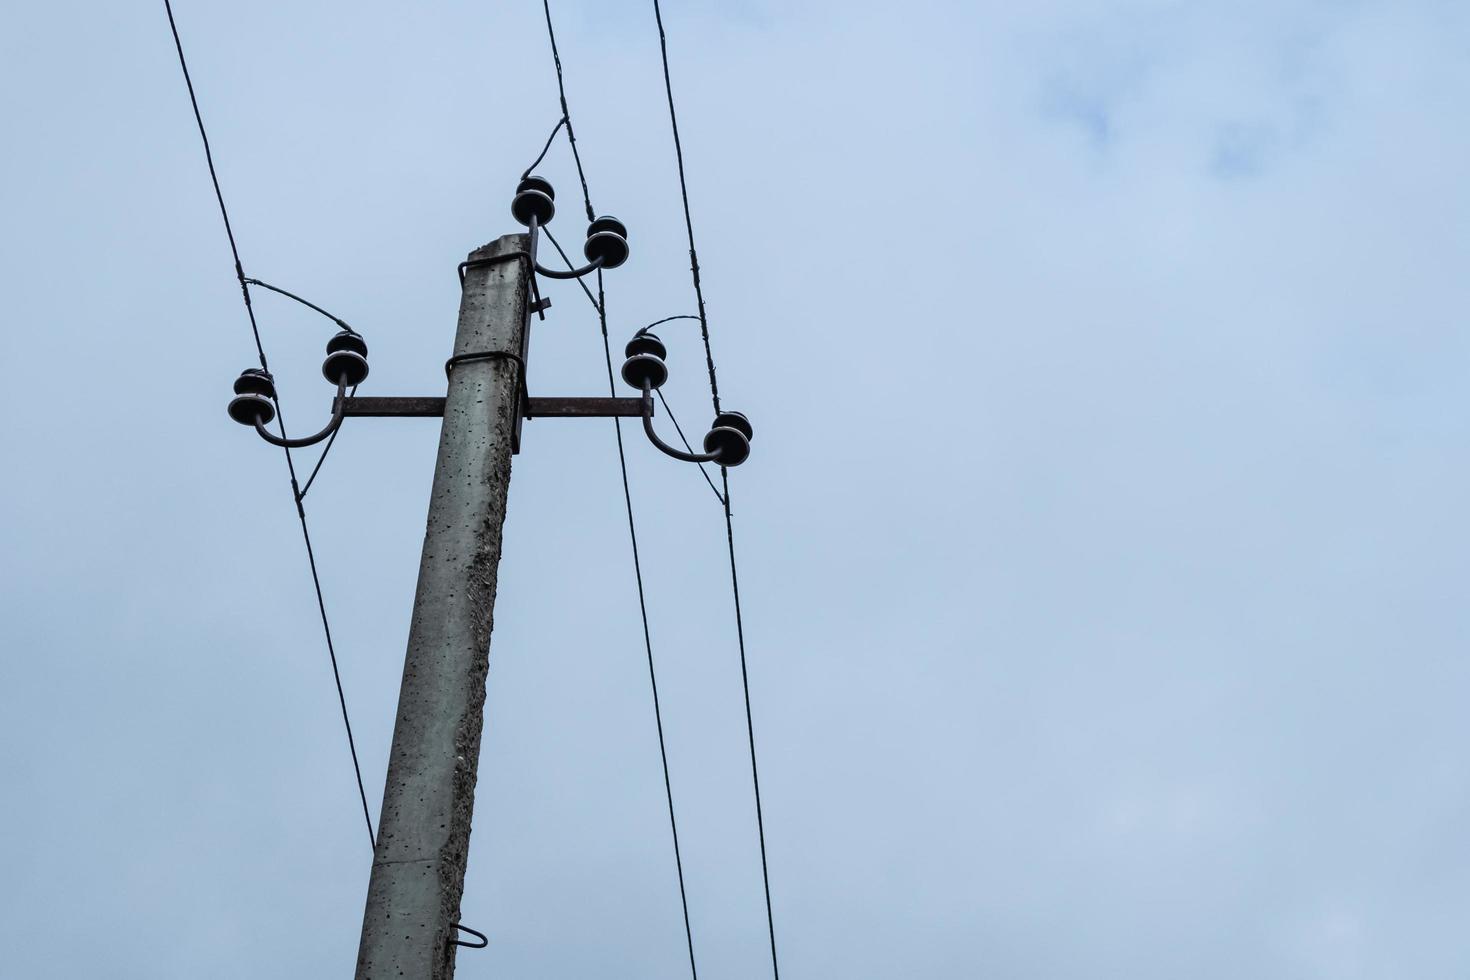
460 927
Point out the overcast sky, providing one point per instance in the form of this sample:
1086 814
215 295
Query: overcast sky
1103 548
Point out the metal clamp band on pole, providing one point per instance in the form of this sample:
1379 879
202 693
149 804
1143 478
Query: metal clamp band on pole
496 355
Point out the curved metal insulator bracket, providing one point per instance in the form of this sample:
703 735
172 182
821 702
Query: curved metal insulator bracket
592 266
338 407
662 446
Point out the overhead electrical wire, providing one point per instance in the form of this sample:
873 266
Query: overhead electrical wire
714 391
566 114
600 302
542 156
297 493
659 391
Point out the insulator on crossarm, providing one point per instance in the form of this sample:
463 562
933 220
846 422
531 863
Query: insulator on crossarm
649 369
534 198
734 420
255 394
729 438
646 343
607 240
346 364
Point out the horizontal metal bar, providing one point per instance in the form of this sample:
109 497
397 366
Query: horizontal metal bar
596 408
423 408
536 408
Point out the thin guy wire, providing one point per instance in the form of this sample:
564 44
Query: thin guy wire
566 113
725 481
601 304
537 162
565 258
709 357
323 457
296 492
680 429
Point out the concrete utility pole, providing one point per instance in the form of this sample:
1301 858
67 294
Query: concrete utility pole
409 928
424 831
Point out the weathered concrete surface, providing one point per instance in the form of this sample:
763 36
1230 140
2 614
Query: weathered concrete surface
424 830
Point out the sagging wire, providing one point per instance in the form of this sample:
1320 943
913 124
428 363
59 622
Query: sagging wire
725 482
600 303
296 492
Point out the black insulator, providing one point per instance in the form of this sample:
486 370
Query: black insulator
608 246
254 381
250 408
732 445
607 222
531 203
646 343
345 367
641 368
347 340
534 183
734 420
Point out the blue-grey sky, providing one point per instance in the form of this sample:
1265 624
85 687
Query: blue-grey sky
1104 547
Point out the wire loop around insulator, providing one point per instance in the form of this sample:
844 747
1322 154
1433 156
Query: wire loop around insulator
304 302
677 316
545 149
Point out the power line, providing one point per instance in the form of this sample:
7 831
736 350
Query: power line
709 358
296 492
672 417
218 194
566 113
725 481
647 641
601 304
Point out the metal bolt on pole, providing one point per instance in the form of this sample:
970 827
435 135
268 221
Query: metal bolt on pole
423 833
